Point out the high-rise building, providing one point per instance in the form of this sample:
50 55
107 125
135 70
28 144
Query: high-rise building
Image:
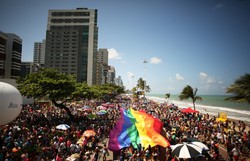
10 55
111 75
39 53
26 68
119 82
71 42
3 43
102 66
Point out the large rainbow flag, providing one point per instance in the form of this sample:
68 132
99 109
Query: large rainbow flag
134 128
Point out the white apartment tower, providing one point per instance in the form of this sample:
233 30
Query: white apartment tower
39 53
71 43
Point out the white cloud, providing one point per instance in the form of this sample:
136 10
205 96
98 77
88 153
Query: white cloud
155 60
179 77
113 54
218 6
203 75
206 79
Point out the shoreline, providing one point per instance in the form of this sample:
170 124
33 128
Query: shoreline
201 108
247 123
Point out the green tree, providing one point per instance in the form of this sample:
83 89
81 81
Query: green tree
50 84
106 91
240 89
189 92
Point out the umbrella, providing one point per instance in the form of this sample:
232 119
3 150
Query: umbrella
62 127
102 108
101 112
200 144
91 116
186 150
87 108
89 133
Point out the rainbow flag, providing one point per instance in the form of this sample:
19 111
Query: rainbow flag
134 128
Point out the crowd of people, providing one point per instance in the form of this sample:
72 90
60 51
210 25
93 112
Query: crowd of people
33 136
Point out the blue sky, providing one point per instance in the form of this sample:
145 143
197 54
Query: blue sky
205 44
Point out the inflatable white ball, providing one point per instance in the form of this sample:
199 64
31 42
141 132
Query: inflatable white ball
10 103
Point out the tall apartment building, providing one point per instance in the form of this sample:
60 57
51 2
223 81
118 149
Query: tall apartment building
118 81
71 42
3 43
102 66
111 75
10 55
39 53
26 68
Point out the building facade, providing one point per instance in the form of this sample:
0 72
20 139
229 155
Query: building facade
71 43
119 82
111 75
10 55
3 44
102 66
39 53
26 68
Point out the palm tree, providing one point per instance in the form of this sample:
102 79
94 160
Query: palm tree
167 95
240 89
189 92
140 84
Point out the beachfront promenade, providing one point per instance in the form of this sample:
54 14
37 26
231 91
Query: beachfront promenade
34 136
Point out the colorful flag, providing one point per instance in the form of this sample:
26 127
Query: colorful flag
136 128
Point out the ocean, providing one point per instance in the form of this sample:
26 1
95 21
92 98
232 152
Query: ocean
211 104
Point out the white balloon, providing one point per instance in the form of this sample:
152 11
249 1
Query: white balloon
10 103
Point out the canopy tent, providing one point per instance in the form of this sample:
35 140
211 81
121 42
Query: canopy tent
189 110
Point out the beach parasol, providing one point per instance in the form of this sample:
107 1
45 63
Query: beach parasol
62 127
89 133
186 150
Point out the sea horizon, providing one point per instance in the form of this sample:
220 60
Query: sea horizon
211 104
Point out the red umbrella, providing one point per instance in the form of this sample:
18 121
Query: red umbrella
188 110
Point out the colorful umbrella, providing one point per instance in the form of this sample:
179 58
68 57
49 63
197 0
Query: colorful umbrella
101 112
89 133
91 116
103 108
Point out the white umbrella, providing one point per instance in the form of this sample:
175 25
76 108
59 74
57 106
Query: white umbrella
62 127
186 150
200 144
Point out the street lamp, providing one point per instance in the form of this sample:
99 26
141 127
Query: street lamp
145 62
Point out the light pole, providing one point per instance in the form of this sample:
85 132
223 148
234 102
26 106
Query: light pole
144 62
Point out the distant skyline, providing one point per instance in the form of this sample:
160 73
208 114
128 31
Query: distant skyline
204 44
